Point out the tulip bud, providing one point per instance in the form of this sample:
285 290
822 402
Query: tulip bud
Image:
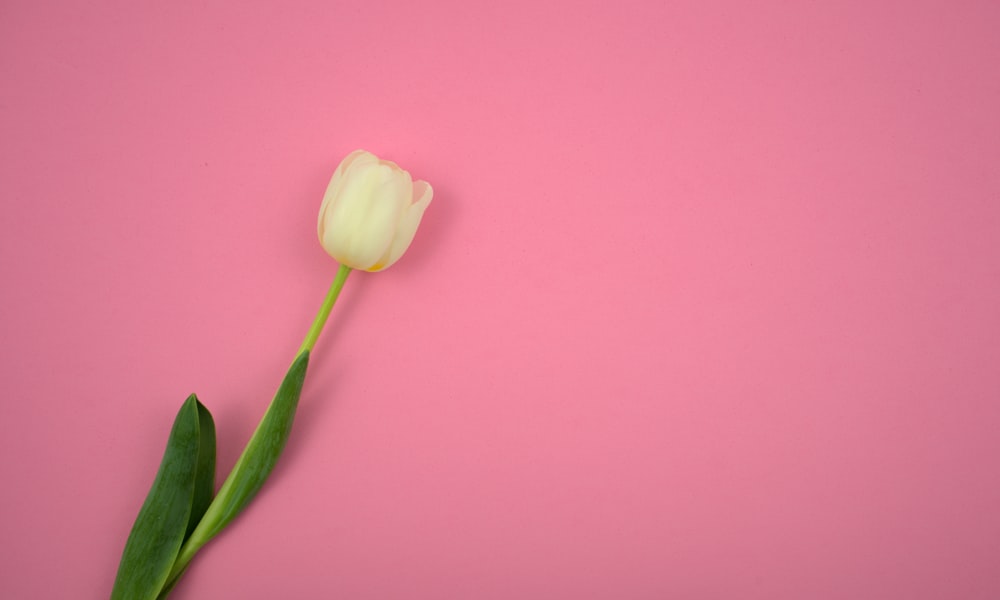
370 212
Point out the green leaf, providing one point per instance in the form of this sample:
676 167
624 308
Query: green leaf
262 451
252 468
163 520
204 480
204 485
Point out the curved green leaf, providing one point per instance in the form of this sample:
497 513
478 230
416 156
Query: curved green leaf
252 468
162 523
261 452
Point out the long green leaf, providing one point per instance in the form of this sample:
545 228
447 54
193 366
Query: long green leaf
252 468
204 485
160 527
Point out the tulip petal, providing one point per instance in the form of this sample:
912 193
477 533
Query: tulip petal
364 217
336 182
407 226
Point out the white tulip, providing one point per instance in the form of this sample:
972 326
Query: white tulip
370 212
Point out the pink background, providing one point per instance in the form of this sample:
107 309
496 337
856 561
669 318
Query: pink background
706 305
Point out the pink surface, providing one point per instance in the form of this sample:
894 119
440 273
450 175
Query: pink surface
706 305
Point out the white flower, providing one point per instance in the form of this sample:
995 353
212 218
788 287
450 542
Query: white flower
370 212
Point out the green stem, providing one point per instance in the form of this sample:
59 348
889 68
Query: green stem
324 311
